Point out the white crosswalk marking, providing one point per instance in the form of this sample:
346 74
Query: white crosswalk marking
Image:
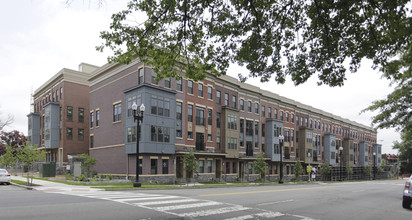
184 207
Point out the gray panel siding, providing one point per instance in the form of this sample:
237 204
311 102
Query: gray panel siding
330 147
271 139
34 128
52 125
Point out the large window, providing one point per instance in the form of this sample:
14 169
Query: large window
159 134
226 99
154 75
232 122
190 86
91 119
218 101
209 92
69 133
178 110
242 104
167 82
153 166
165 166
97 118
200 116
263 111
117 112
287 116
200 90
218 142
81 114
91 141
134 99
218 115
269 112
275 112
209 116
141 76
160 106
234 102
69 113
80 134
190 113
232 143
256 108
179 85
281 115
131 134
249 106
249 128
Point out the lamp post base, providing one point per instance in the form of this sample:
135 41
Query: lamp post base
280 181
137 184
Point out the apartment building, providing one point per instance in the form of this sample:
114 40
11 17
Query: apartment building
225 122
58 122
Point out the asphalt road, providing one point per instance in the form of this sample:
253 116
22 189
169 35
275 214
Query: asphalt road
356 200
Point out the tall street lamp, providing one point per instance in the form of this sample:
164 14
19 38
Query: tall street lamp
281 159
341 162
310 172
138 116
374 165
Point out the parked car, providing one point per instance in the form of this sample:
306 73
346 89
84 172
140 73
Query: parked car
5 177
407 194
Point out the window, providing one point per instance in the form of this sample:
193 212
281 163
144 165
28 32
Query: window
61 92
292 118
242 126
232 143
263 111
201 166
218 97
232 122
249 106
140 166
165 166
209 92
297 120
190 135
227 167
159 134
218 142
209 166
200 116
190 86
190 113
263 130
81 114
256 108
200 89
287 116
234 167
134 99
234 101
249 128
91 119
160 106
306 122
281 115
242 104
91 141
256 128
179 111
97 118
141 76
200 141
154 75
209 137
69 113
226 99
310 124
218 119
131 134
167 82
179 85
153 166
269 112
69 133
276 113
117 112
209 116
80 134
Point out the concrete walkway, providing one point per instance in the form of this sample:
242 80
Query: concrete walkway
43 185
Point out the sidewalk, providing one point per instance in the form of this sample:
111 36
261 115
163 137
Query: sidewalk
43 185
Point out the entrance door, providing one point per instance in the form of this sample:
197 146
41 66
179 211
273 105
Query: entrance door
218 169
179 167
241 168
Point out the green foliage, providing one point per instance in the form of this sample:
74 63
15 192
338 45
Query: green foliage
348 170
190 163
367 170
29 155
380 170
9 158
404 148
109 177
69 176
298 170
15 139
82 178
260 165
270 38
87 164
325 169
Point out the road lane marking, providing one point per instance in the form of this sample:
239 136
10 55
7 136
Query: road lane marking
165 202
187 206
266 191
212 212
270 214
277 202
144 198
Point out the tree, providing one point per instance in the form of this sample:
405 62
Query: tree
5 122
298 169
325 169
29 155
190 164
270 38
367 170
260 165
8 158
348 170
404 148
87 164
15 139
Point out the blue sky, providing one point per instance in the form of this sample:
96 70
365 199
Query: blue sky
39 38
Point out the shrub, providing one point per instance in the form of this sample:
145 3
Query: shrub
69 176
110 177
82 178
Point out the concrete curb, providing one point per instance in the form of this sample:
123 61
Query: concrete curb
21 186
